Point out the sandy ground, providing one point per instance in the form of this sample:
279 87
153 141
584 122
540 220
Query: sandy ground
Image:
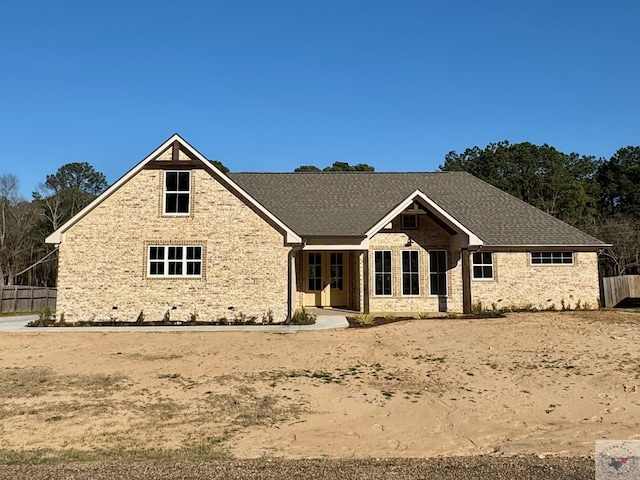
543 383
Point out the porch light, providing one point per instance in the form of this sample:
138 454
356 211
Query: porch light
409 243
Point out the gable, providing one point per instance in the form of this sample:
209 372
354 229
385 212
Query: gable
175 152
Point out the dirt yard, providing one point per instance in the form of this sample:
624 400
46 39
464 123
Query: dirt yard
542 383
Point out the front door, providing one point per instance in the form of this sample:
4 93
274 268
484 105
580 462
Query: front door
326 279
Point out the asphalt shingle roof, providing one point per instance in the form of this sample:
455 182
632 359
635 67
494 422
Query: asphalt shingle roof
350 203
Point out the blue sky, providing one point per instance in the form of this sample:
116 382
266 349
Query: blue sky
270 85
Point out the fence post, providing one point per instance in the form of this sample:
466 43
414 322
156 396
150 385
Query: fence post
1 297
31 300
15 299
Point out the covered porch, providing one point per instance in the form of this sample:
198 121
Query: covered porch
331 280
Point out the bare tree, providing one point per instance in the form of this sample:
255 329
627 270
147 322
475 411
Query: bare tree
18 219
623 231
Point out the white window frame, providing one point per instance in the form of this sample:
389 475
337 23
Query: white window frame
165 261
382 272
482 265
553 257
405 216
403 272
446 275
166 192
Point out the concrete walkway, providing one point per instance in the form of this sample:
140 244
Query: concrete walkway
323 322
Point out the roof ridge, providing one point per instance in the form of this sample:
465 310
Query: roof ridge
347 172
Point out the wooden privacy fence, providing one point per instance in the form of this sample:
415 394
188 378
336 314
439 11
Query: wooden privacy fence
27 299
618 288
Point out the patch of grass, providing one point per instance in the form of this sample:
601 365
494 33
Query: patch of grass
427 357
338 376
209 449
423 315
17 314
390 316
388 394
36 381
246 408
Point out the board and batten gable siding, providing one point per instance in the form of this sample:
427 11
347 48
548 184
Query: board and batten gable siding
103 259
428 236
519 284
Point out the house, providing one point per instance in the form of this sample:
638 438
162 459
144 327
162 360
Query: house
176 234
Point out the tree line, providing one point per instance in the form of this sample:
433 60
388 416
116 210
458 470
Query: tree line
599 196
25 258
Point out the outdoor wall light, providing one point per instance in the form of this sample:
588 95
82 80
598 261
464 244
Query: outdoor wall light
409 243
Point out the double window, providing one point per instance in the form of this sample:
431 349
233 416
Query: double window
483 266
177 192
175 261
551 258
410 273
382 272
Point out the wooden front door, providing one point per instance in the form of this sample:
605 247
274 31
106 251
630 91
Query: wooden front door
326 279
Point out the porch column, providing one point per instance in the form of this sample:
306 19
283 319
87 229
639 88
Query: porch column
364 281
466 281
292 284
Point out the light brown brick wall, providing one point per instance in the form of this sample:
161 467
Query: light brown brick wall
103 257
518 283
428 236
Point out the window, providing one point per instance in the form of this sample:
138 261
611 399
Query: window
551 258
410 273
483 266
382 272
409 221
175 261
337 271
315 271
177 187
438 272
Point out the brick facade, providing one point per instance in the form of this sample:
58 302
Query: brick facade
252 263
103 259
519 284
428 236
516 283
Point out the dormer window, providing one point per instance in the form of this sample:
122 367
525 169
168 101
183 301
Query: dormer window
409 221
177 192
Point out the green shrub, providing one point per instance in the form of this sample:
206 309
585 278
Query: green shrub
44 319
477 307
364 318
302 317
423 315
267 317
